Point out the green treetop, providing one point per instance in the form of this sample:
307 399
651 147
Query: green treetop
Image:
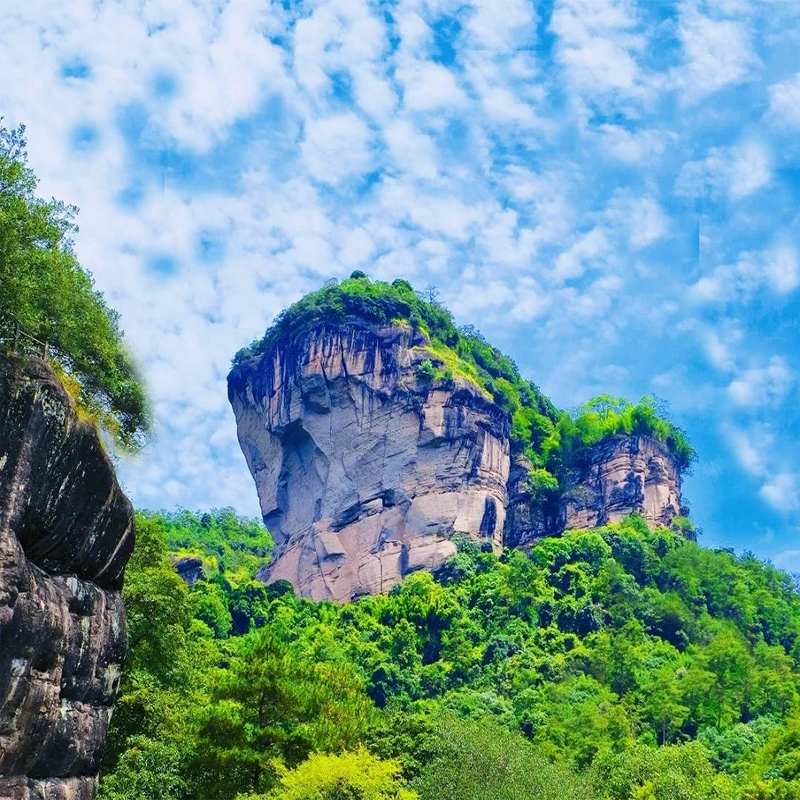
45 291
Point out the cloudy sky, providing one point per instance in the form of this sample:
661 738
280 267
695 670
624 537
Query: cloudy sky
608 189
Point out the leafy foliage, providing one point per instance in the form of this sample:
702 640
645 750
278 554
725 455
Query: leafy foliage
475 761
232 548
44 289
354 775
611 664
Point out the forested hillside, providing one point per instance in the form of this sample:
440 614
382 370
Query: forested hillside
613 663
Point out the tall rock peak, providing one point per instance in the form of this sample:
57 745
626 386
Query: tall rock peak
372 442
364 469
66 533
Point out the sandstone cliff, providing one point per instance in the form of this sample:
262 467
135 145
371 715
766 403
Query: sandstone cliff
624 474
621 475
363 469
366 466
66 533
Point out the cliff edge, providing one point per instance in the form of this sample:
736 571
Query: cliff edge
376 429
364 469
66 533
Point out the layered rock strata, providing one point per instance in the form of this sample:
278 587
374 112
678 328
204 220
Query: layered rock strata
624 474
66 533
364 470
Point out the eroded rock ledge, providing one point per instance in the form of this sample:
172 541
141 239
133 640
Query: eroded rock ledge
623 474
66 533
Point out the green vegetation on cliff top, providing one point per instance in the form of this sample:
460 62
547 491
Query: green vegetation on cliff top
45 291
554 441
612 664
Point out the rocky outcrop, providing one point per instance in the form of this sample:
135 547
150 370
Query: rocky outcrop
364 470
365 465
66 533
530 515
624 474
190 568
621 475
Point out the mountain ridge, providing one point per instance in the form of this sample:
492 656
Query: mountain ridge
374 438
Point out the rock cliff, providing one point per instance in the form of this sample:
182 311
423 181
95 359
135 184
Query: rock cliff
624 474
363 469
66 533
366 463
621 475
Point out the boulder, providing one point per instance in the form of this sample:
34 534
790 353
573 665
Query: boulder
66 533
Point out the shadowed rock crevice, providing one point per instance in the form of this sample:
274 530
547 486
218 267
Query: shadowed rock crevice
66 533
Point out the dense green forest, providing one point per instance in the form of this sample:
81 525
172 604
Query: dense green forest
553 441
614 663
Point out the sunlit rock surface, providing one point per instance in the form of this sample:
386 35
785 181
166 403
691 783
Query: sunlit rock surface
363 471
626 473
622 475
66 533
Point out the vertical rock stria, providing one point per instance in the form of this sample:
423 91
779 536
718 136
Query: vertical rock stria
66 533
364 470
366 463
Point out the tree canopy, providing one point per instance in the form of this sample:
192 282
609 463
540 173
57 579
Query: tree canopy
45 290
609 664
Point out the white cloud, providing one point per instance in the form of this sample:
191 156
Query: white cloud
719 352
336 148
717 52
642 219
635 148
411 150
428 86
776 269
788 560
599 45
782 492
515 26
755 449
589 248
762 386
784 101
782 268
345 40
749 448
735 172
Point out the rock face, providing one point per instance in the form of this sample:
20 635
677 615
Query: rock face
528 516
66 533
363 470
190 568
624 474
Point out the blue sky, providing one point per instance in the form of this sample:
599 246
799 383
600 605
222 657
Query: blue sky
608 189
